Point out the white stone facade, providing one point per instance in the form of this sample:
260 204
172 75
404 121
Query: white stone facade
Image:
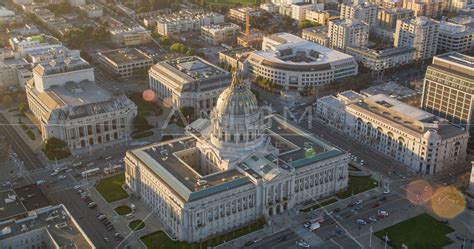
219 33
417 139
382 59
225 173
363 11
277 62
186 21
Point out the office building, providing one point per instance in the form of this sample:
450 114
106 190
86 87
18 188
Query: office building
294 63
417 139
270 7
381 59
189 82
347 32
125 63
454 37
220 33
225 175
70 106
420 33
448 89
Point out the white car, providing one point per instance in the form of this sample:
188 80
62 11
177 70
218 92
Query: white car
77 187
90 164
61 177
108 157
302 243
358 202
387 191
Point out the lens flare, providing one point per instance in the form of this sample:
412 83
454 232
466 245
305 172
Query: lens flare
448 202
419 192
149 95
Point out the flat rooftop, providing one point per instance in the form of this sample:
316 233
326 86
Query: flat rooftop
305 148
331 101
61 66
10 206
220 26
285 45
404 116
32 197
457 63
124 56
188 69
74 94
234 53
56 221
390 89
163 160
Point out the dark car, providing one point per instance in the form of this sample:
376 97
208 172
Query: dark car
282 238
383 198
336 210
249 243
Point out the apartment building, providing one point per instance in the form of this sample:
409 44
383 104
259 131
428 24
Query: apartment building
220 33
299 10
428 8
239 14
322 16
388 17
131 36
185 21
420 33
381 59
361 10
348 32
318 35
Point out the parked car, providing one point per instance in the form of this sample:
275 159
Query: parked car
361 222
302 243
106 239
92 205
383 198
372 218
375 205
249 243
282 238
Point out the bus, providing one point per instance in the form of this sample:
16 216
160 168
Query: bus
90 172
308 223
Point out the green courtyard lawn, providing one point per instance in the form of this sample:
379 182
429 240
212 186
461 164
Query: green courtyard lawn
145 108
358 184
143 134
111 188
123 210
159 240
321 203
420 232
136 225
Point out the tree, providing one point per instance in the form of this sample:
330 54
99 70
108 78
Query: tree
190 52
306 24
178 47
141 124
55 149
22 108
165 40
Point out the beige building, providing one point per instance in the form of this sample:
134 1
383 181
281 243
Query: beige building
299 10
8 75
388 17
359 9
332 109
417 139
92 10
130 36
189 82
241 166
70 106
429 8
381 59
220 33
125 63
318 35
239 14
347 32
420 33
184 21
321 16
448 89
455 37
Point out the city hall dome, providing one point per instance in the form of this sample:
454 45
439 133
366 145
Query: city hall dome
237 100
